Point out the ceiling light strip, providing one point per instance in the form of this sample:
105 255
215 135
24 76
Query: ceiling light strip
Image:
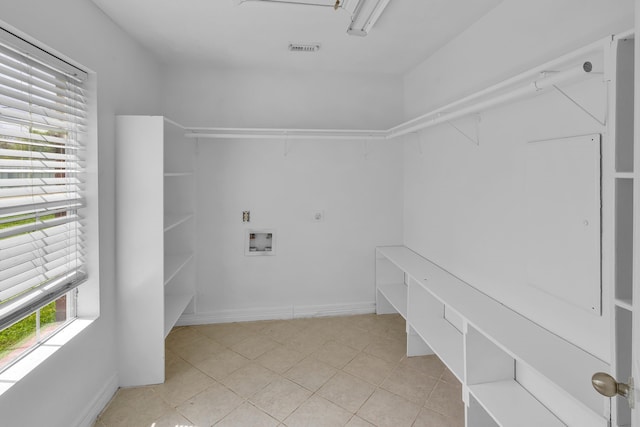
360 26
294 2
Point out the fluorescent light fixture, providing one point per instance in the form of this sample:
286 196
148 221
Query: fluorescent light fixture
365 15
326 3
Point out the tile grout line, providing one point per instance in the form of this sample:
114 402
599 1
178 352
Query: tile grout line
271 330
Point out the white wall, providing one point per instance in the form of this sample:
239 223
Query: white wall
63 388
464 203
515 36
326 263
317 264
199 95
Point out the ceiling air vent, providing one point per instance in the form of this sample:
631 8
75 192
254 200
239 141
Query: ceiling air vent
298 47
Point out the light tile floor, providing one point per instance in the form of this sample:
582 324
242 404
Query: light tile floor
338 371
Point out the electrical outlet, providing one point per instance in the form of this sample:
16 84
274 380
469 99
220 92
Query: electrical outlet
318 216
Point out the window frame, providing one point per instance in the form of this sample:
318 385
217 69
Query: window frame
86 297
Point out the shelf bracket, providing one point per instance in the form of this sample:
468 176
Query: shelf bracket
419 142
365 148
287 147
475 140
583 109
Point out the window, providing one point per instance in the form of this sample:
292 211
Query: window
43 120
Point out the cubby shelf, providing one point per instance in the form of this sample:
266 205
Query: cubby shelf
446 341
396 294
174 305
177 174
509 404
624 303
173 220
623 175
173 264
499 335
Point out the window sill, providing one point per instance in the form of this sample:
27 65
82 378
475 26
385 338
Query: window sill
27 364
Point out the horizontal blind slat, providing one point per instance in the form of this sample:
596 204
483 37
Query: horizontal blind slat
36 200
57 166
27 252
30 279
40 189
35 88
16 308
37 219
41 102
61 88
24 118
38 260
43 72
35 182
36 154
50 235
28 107
11 132
33 227
72 208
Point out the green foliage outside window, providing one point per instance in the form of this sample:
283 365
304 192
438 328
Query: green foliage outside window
25 328
12 337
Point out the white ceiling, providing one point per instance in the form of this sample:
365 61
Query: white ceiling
257 34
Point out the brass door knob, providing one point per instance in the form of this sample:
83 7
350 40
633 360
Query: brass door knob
607 386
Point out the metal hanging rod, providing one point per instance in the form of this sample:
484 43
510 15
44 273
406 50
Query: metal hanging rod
441 116
258 133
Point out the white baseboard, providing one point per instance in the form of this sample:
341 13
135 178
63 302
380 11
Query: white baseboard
334 310
276 313
100 401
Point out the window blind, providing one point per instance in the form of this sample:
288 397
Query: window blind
43 119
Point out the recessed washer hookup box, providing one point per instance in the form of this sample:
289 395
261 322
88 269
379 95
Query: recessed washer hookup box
260 242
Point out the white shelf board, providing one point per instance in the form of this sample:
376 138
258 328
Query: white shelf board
624 175
396 294
445 340
173 264
570 367
625 303
174 305
173 174
511 405
174 220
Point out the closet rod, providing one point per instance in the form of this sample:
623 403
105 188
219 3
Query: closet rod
537 86
527 75
258 133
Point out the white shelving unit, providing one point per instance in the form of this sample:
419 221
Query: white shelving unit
155 240
622 179
494 346
513 371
